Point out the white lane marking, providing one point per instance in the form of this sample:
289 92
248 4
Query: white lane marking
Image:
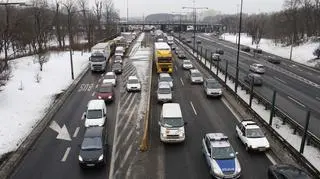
297 102
102 74
65 156
82 117
76 132
176 67
126 124
96 86
181 81
318 98
99 80
272 160
93 94
280 80
194 110
112 162
124 160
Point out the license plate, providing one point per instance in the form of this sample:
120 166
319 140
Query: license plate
90 165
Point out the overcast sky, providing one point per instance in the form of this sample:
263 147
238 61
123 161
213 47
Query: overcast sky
140 7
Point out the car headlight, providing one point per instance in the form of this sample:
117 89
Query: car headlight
101 157
109 97
99 97
80 158
164 135
217 172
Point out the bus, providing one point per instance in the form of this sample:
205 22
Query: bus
163 57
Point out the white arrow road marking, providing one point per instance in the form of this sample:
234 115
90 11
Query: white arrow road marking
65 156
63 133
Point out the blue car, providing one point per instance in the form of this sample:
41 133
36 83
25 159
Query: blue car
220 156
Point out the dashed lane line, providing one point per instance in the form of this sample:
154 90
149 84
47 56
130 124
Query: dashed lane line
181 81
76 132
280 80
296 101
93 94
96 86
65 156
83 114
194 110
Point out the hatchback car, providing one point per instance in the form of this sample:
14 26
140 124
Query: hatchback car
212 88
187 65
284 171
93 148
133 84
257 79
105 92
196 76
164 93
257 68
181 55
117 68
273 59
216 57
165 77
252 136
118 59
220 156
110 77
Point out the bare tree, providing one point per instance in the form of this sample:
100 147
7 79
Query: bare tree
98 14
42 57
57 23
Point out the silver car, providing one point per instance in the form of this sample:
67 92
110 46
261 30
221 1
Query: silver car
164 93
187 65
165 77
257 68
196 76
212 88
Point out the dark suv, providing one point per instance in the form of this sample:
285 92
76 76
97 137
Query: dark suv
93 149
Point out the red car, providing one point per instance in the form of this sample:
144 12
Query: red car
105 92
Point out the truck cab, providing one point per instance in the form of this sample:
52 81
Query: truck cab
98 61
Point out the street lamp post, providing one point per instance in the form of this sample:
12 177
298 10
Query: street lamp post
6 31
238 53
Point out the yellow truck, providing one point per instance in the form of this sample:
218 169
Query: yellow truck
163 57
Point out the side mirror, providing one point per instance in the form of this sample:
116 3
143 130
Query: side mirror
185 123
104 114
84 114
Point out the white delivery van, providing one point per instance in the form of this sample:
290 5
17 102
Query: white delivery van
119 51
100 54
171 123
96 113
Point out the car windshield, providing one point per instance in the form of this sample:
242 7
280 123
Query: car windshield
94 114
166 78
196 74
223 153
109 77
133 81
97 58
118 58
172 122
105 89
187 62
116 66
164 90
254 133
91 143
213 85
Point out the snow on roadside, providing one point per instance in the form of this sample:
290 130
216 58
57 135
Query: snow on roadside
302 54
22 109
140 58
312 154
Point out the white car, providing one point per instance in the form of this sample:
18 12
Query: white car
257 68
252 136
212 88
216 57
110 77
133 84
166 77
196 76
164 93
187 65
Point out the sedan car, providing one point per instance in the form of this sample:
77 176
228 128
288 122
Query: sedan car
245 49
93 148
105 92
189 40
110 77
273 59
257 68
216 57
220 51
164 93
284 171
165 77
187 65
181 55
257 79
196 76
212 88
173 47
117 68
257 50
133 84
252 136
220 156
118 59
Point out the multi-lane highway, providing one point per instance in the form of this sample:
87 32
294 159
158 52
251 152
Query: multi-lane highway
298 86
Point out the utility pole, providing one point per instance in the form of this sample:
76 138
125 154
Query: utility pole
238 53
180 22
6 31
194 21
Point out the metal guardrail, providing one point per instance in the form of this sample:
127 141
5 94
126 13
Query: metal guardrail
311 138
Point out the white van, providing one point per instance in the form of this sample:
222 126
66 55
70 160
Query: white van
171 123
119 51
96 113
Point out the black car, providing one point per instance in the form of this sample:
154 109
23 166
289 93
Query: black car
93 148
257 50
220 51
257 79
281 171
273 59
198 41
245 49
117 68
